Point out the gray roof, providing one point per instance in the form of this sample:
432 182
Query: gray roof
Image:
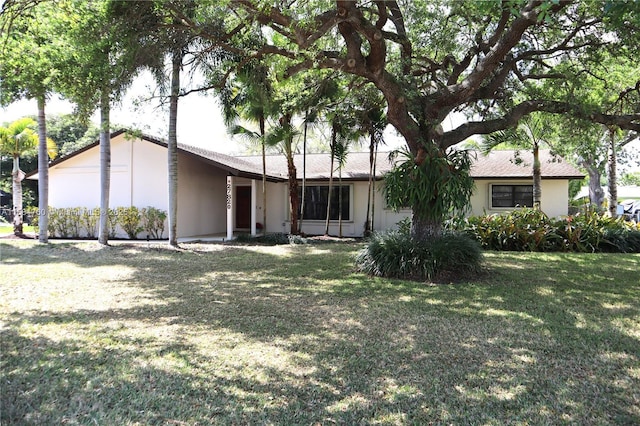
496 165
519 164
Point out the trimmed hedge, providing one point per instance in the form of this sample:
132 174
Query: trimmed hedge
80 222
531 230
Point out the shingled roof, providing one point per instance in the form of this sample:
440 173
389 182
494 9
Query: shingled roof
495 165
519 165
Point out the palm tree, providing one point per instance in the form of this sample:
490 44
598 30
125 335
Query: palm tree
530 133
343 131
371 120
250 98
19 139
282 135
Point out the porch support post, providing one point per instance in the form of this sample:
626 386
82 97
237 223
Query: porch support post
229 207
254 205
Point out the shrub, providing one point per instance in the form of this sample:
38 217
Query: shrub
532 230
112 222
89 221
129 219
153 222
394 254
64 222
273 239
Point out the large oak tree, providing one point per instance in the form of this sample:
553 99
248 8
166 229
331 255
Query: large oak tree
431 59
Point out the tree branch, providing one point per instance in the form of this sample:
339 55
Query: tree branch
511 118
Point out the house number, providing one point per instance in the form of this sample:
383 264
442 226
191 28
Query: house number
228 196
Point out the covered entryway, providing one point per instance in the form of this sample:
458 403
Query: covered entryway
243 207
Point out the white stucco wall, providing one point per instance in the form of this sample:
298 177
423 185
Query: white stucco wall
201 198
554 203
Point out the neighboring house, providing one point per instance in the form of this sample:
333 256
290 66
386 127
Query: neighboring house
625 192
504 180
222 194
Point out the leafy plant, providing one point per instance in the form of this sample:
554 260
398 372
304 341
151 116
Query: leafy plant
395 254
531 230
129 219
89 221
64 222
153 221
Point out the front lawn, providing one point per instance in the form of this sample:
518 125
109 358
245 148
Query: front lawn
140 334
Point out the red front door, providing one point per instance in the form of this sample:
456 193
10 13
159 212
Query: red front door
243 207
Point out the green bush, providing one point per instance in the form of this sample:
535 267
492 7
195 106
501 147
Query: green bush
64 222
394 254
531 230
89 221
129 219
153 222
519 230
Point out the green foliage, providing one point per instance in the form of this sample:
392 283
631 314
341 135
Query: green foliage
130 219
433 186
631 178
531 230
153 221
271 239
394 254
65 222
518 230
80 222
89 221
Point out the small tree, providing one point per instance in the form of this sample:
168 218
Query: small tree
17 140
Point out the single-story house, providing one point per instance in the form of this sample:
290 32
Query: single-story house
222 194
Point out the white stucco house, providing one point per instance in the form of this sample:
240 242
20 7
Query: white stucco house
220 194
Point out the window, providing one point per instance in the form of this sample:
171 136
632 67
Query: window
511 195
315 202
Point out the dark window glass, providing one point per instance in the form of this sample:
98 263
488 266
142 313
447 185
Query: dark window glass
315 202
511 195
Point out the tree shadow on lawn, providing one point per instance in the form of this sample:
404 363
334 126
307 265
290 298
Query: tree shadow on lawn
293 341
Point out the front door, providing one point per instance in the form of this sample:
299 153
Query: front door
243 207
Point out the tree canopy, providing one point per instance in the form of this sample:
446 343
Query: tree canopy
495 61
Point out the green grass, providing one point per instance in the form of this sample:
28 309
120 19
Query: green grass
8 229
140 334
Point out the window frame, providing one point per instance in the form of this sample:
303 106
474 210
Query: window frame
513 199
335 186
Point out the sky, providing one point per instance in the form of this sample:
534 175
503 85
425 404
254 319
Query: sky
199 120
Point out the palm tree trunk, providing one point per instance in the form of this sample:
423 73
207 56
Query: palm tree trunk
172 148
373 188
304 168
332 149
340 201
105 167
611 171
293 191
537 177
264 174
43 175
367 224
17 176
